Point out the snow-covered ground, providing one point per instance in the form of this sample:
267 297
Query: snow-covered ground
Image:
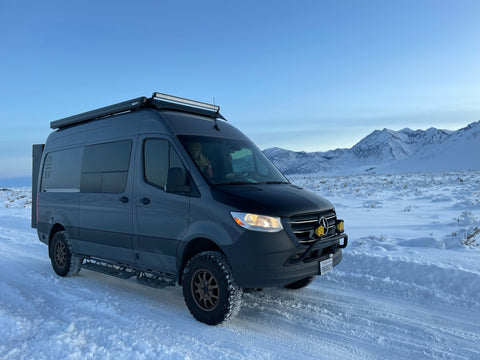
407 288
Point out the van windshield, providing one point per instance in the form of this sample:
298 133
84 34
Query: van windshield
230 161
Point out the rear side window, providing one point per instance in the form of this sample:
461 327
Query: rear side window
61 171
105 167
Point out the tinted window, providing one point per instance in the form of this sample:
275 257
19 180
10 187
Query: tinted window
242 161
105 167
156 162
61 170
230 161
163 166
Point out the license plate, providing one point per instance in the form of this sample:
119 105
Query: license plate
326 266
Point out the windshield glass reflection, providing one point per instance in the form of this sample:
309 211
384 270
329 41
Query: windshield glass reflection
230 161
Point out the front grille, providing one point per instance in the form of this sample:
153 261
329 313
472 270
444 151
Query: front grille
303 226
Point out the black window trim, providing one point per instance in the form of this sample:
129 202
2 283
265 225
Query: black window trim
193 192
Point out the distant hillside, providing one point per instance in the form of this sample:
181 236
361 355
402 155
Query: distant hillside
388 151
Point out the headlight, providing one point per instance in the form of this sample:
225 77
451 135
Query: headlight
257 222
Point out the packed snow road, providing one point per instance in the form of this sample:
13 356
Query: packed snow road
398 294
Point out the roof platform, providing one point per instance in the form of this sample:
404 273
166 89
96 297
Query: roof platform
158 101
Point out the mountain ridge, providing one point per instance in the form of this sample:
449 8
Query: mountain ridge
388 150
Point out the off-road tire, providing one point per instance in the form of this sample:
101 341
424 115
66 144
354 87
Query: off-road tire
209 288
64 261
300 284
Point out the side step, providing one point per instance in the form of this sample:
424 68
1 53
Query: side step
145 278
155 281
108 269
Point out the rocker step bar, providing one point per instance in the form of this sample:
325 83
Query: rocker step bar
108 269
155 281
143 277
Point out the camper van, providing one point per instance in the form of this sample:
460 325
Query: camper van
165 190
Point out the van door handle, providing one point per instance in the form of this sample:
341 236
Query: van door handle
124 199
145 201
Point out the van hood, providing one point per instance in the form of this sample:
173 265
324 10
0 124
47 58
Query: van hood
282 200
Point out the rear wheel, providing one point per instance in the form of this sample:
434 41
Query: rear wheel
210 291
301 283
64 261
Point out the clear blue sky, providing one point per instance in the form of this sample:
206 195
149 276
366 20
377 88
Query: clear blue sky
302 75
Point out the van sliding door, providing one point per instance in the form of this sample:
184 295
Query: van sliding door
106 206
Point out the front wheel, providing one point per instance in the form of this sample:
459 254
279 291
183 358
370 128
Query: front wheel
64 261
210 291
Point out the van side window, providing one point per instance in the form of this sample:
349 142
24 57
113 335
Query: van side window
61 171
105 167
162 164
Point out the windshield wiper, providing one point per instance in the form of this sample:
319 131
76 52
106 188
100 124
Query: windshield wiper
273 182
235 183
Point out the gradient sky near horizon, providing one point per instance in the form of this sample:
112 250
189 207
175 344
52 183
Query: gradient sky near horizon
301 75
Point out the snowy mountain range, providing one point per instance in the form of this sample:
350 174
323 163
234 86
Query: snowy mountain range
388 151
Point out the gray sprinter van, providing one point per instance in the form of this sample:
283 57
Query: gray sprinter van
164 189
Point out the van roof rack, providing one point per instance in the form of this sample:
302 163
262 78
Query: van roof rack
158 100
99 113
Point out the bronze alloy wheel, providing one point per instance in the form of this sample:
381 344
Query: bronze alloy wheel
205 289
64 261
60 253
209 288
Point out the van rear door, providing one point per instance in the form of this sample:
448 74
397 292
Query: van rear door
37 151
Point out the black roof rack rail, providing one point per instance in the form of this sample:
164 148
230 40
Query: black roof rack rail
99 113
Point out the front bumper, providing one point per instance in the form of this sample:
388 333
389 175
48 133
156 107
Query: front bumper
319 250
262 260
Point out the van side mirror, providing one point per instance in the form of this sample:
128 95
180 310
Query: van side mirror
178 181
